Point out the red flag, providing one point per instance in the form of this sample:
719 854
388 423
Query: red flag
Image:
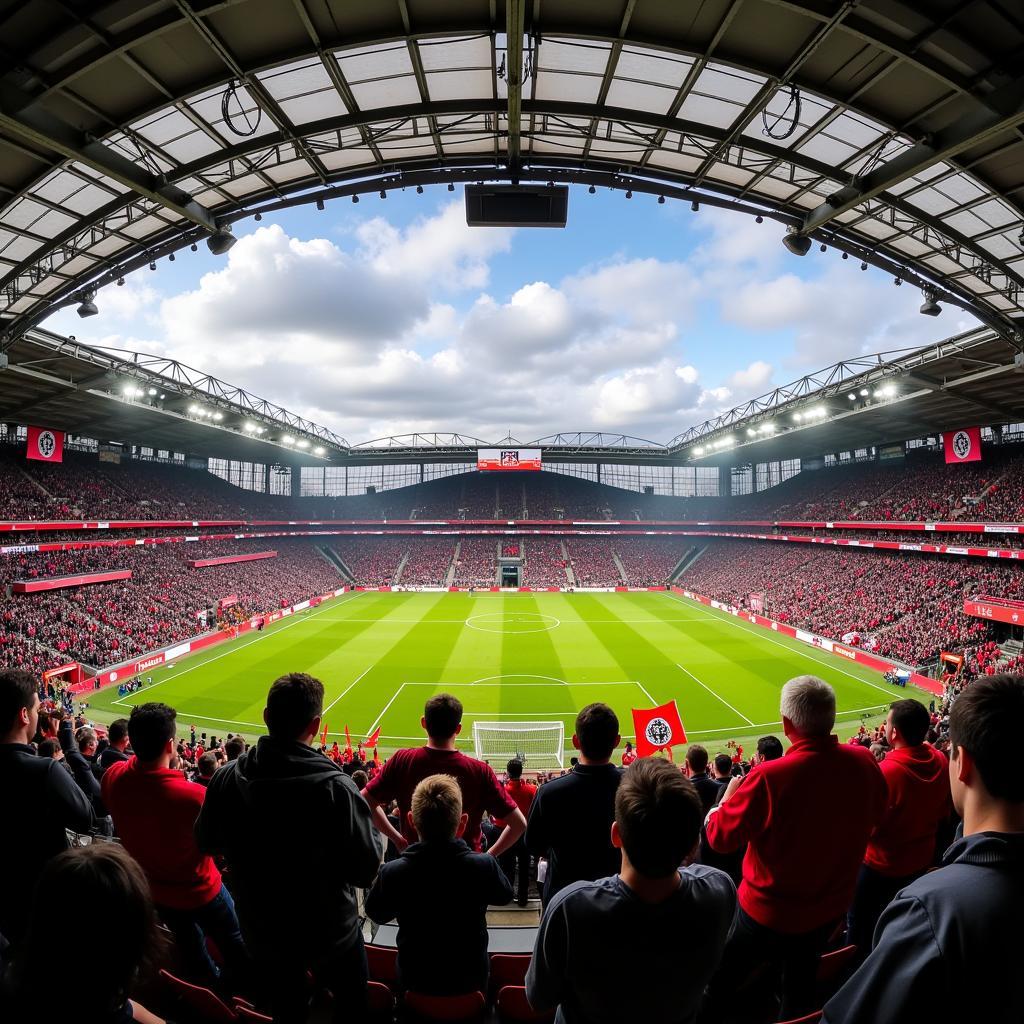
323 738
371 740
963 445
45 445
348 741
657 728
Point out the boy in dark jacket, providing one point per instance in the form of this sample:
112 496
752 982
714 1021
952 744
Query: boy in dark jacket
297 839
439 890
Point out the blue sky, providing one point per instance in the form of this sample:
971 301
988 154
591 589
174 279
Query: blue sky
392 315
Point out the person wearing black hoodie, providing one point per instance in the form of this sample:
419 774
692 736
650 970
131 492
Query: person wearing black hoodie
297 839
439 890
944 947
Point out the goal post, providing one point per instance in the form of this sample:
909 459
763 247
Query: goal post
540 745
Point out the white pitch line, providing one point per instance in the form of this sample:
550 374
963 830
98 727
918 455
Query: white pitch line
377 720
585 682
736 620
717 696
347 688
643 690
298 617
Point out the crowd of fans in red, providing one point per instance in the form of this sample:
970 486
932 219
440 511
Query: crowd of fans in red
104 623
477 566
910 605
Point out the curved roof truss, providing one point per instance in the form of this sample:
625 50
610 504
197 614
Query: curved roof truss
890 130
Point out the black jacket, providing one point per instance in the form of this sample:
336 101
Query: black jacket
440 893
297 837
708 789
39 800
82 770
109 756
570 824
948 946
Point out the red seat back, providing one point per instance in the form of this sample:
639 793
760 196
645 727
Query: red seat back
832 967
514 1008
382 962
811 1018
248 1013
465 1007
380 1000
509 969
206 1004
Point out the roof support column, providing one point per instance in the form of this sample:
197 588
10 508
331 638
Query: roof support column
515 24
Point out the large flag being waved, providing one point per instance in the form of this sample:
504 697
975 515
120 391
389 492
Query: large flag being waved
963 445
657 728
45 445
371 740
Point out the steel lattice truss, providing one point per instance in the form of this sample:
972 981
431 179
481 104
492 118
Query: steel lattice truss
890 130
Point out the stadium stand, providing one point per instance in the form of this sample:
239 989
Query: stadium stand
477 565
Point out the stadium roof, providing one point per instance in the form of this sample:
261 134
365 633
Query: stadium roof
130 397
890 130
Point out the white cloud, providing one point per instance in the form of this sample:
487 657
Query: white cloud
752 380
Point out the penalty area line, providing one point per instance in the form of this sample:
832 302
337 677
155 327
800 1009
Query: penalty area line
717 696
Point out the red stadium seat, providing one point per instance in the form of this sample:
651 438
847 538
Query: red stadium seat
380 1000
811 1018
467 1007
382 962
248 1013
507 969
207 1006
833 969
513 1008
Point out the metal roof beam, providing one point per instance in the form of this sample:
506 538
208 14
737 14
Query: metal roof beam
1004 110
24 118
515 24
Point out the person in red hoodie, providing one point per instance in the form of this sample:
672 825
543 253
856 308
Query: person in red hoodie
903 846
806 818
154 810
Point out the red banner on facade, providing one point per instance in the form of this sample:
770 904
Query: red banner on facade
963 445
996 611
45 445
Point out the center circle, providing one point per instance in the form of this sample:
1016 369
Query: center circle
512 622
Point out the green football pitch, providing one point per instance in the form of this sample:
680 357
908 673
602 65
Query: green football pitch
510 658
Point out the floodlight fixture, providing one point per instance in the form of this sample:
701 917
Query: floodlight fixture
287 439
383 193
218 416
798 416
302 443
852 396
824 248
699 450
863 266
592 190
171 257
151 392
355 199
897 281
87 307
661 200
318 450
152 266
846 255
629 193
320 205
419 190
796 243
929 307
751 431
120 282
194 247
759 219
258 217
220 241
864 392
695 206
451 186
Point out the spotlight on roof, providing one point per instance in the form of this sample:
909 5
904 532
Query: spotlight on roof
419 190
194 247
318 450
759 219
629 193
451 187
699 450
591 190
152 266
151 392
863 266
824 248
661 200
929 307
287 439
302 443
220 241
320 205
258 217
897 281
383 194
355 199
864 392
120 282
218 416
797 244
695 206
88 305
846 255
798 416
852 396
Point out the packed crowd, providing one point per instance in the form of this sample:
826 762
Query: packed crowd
650 561
477 565
543 563
592 561
427 562
878 907
104 623
372 561
911 605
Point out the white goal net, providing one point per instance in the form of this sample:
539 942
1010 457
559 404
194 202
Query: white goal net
539 745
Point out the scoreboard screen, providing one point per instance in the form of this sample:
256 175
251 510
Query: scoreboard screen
507 459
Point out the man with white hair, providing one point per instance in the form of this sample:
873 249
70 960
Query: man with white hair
806 818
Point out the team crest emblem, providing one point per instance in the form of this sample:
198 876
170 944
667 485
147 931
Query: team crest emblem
510 458
46 443
961 444
658 732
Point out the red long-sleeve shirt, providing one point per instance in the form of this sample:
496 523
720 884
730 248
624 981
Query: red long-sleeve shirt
917 779
806 819
154 812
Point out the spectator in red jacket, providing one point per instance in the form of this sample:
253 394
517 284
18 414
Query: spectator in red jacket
807 818
406 769
903 846
155 810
